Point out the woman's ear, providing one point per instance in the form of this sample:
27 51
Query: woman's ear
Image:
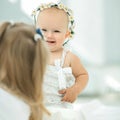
3 27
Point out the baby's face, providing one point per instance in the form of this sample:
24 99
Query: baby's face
54 25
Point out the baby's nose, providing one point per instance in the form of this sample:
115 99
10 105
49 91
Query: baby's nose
49 34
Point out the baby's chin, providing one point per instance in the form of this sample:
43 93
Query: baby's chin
56 50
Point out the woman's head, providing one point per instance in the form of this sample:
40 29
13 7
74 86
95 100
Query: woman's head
22 61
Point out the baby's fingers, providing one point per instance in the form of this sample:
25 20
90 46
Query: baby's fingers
62 91
65 99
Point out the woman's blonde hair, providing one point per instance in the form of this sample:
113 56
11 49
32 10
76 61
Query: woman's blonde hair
22 64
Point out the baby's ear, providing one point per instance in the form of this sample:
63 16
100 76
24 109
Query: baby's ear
67 34
3 27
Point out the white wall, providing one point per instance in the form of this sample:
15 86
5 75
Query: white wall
112 30
97 30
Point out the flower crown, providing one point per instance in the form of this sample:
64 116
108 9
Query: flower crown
59 6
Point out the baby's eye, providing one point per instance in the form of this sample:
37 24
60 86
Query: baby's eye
44 30
57 31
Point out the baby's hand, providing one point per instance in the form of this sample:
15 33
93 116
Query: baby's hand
70 94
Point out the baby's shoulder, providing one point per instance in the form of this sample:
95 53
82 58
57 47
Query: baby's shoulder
71 55
72 58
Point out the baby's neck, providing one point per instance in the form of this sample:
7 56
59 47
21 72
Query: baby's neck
55 55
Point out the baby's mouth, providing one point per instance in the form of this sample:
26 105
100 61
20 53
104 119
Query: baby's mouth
51 42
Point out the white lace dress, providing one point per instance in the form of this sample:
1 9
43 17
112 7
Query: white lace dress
58 78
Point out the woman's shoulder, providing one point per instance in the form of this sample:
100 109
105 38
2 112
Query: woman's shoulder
12 108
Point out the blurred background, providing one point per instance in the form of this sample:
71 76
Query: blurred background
96 41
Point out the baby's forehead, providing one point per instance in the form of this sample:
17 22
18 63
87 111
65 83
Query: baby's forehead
55 10
51 11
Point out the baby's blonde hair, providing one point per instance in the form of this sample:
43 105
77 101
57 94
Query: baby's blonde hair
22 64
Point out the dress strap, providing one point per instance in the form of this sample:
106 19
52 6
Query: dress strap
61 76
63 57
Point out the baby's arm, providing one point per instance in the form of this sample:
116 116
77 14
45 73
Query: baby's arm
81 79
